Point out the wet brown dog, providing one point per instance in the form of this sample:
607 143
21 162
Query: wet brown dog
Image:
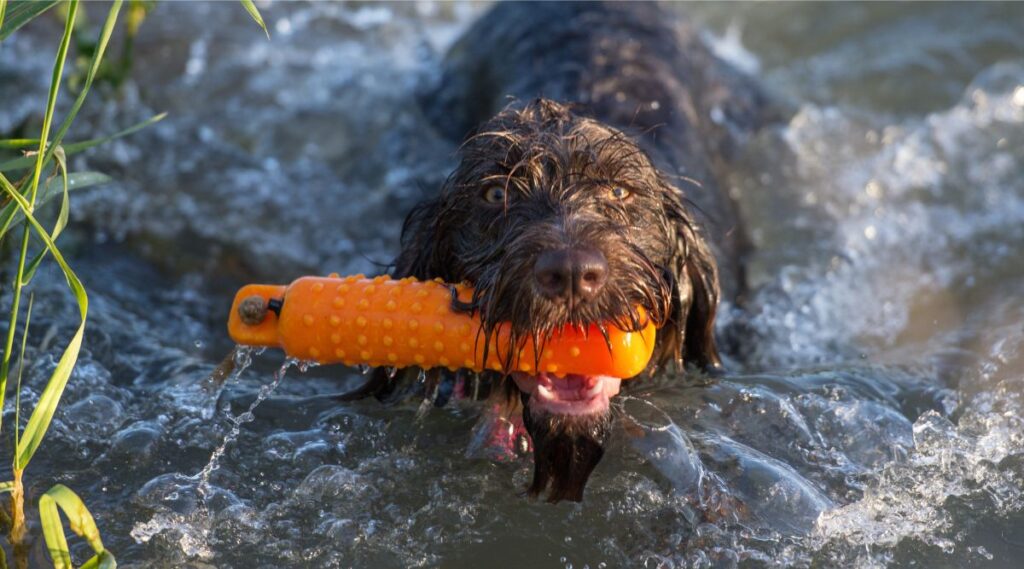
557 216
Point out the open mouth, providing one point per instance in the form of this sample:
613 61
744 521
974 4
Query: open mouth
572 394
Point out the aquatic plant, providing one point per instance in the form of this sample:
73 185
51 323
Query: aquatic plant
21 202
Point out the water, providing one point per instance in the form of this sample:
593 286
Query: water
871 416
237 422
188 500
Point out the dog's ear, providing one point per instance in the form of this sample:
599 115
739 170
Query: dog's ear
702 273
423 254
689 332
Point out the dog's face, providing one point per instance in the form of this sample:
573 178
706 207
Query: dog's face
559 220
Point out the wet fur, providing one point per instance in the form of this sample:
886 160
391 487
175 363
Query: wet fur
566 451
556 157
555 166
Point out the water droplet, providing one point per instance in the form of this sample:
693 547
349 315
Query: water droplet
522 445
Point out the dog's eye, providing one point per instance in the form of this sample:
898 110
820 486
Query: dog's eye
618 193
494 194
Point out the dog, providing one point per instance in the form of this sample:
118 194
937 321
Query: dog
596 191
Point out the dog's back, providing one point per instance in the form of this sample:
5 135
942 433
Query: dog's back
633 66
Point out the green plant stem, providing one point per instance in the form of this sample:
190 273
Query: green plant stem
58 71
18 529
12 326
21 370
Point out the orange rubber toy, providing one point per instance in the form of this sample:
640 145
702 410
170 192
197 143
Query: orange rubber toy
400 323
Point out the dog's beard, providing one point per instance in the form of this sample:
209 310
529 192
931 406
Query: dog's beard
567 448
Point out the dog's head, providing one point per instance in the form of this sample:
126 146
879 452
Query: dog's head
558 219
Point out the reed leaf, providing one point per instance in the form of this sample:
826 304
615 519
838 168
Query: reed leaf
61 498
14 143
21 369
42 415
10 215
97 59
94 66
51 101
21 13
103 560
255 13
76 147
58 226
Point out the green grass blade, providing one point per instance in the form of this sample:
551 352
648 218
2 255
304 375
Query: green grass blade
76 147
79 519
6 486
3 10
94 66
15 143
65 206
100 561
51 98
255 13
51 101
51 504
30 268
21 368
58 226
97 59
42 415
53 532
21 13
10 215
78 181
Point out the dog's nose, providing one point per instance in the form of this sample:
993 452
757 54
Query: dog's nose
579 273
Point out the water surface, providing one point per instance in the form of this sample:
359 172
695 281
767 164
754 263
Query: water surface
872 413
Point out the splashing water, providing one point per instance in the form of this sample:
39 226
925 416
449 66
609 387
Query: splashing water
214 385
195 526
871 416
237 421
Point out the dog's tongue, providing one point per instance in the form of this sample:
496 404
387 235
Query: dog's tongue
569 388
569 395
